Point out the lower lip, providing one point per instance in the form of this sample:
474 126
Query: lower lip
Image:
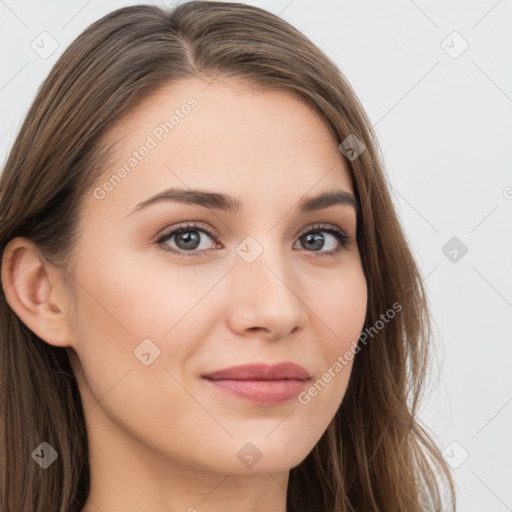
264 392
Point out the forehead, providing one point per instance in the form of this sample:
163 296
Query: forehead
226 136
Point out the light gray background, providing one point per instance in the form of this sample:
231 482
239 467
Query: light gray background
444 124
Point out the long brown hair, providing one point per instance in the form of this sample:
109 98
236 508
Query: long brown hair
374 456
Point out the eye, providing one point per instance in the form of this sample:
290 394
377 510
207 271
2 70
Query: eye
315 239
189 240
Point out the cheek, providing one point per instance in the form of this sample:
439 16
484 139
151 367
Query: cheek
340 303
341 309
347 311
125 310
132 313
134 298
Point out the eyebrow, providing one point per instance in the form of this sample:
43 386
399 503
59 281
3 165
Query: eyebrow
227 203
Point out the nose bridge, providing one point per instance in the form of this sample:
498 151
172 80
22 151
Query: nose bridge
266 293
263 263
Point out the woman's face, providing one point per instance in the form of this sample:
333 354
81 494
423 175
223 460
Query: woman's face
238 287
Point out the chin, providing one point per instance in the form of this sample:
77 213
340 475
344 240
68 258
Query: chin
269 455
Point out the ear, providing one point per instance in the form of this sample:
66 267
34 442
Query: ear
35 293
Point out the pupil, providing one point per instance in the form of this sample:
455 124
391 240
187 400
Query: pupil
316 238
190 241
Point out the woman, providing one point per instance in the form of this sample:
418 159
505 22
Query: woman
277 368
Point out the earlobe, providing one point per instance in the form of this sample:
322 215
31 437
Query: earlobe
33 292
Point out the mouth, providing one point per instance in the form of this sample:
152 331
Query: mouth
260 383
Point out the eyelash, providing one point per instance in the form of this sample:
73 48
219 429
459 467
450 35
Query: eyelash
342 237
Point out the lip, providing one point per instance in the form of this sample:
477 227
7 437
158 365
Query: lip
279 371
263 384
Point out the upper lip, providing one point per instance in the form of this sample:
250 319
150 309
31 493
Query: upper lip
281 371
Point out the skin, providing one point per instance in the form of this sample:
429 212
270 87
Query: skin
161 438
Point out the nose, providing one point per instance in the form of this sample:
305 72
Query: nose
267 300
